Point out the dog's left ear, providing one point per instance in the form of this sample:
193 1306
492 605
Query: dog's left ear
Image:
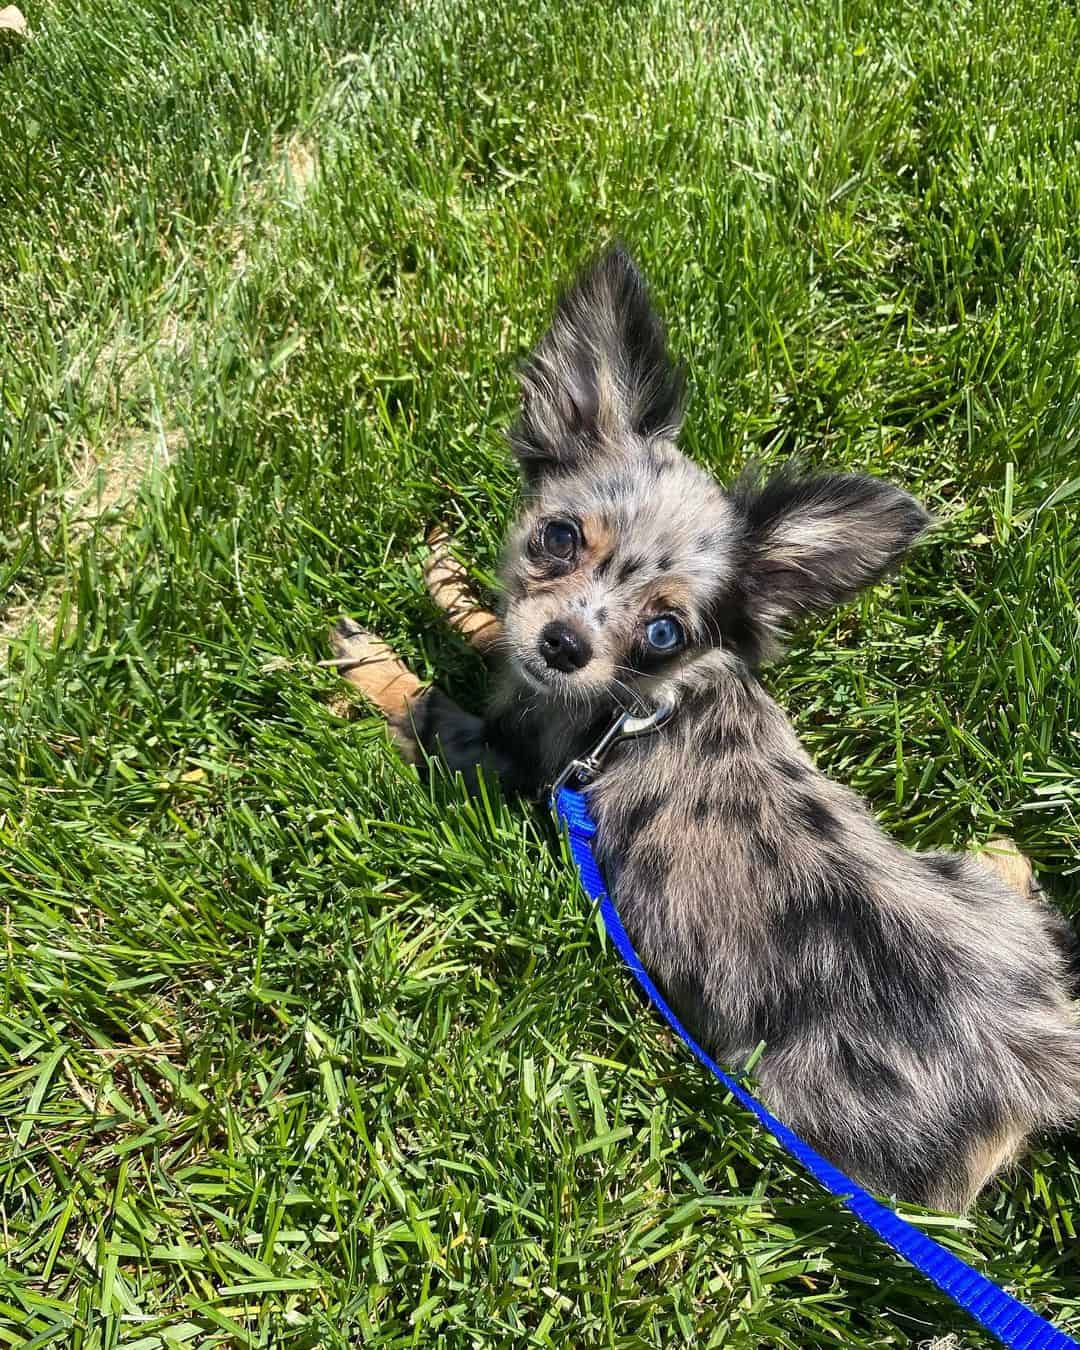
600 379
811 543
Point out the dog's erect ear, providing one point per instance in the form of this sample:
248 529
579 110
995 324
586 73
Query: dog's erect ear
600 375
811 543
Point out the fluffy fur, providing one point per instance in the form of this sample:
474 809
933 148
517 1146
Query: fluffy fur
915 1007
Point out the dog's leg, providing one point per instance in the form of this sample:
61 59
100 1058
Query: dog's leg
448 585
420 716
373 670
1004 859
986 1158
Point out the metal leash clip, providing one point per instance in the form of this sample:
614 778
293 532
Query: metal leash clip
624 728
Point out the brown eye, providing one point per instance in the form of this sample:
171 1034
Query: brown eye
560 539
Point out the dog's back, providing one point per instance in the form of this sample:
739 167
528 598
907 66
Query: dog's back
914 1008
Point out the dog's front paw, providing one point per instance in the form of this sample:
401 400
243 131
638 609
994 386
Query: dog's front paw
351 642
372 668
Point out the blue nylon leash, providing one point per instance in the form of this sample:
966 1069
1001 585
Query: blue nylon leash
1012 1322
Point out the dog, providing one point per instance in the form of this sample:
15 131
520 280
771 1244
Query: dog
915 1008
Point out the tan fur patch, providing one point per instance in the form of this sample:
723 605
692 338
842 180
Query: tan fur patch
610 401
448 585
372 669
599 540
989 1156
1003 857
669 595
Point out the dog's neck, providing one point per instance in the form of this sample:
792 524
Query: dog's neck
540 735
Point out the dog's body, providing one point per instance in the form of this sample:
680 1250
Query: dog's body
915 1007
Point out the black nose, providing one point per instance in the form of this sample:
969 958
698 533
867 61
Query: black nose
563 648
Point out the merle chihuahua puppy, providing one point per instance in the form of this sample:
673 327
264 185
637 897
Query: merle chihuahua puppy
915 1007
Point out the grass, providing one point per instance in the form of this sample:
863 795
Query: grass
292 1050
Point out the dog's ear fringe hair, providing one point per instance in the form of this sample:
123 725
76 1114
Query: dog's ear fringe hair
813 541
602 369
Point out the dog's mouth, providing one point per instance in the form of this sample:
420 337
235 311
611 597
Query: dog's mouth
543 680
566 689
535 674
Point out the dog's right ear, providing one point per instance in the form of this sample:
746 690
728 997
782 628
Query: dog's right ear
600 380
814 542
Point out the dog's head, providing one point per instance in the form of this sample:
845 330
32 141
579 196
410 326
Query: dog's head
629 565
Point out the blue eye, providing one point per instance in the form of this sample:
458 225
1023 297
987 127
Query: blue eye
664 634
